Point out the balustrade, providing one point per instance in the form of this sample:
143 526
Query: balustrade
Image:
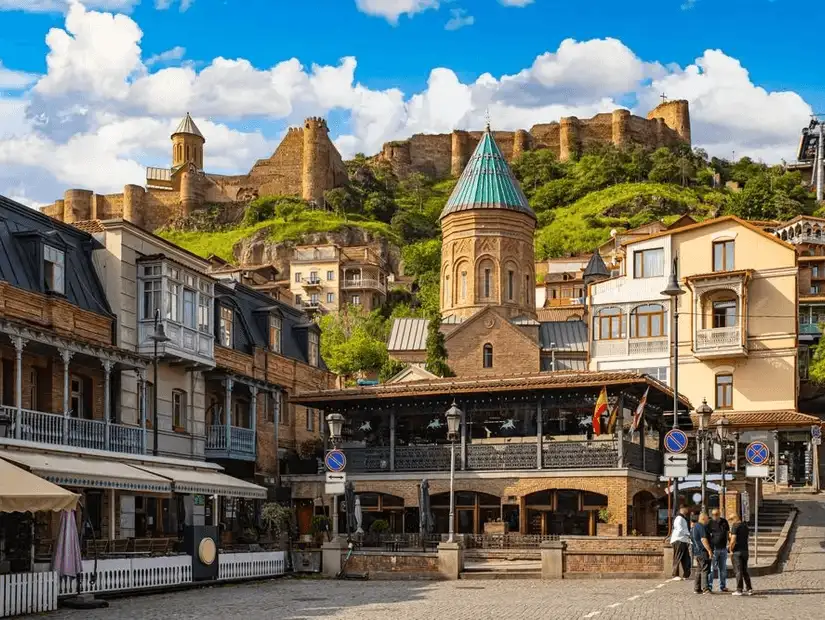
650 462
242 442
501 456
580 455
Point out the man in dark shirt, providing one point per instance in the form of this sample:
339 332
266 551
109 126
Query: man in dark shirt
719 531
702 552
739 535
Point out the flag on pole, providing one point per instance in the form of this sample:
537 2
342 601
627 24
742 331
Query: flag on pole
611 421
640 411
599 411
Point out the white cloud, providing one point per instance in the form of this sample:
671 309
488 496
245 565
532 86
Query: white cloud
15 80
175 53
391 10
162 5
516 3
100 113
459 19
59 6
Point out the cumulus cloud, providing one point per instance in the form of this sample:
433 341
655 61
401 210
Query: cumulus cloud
391 10
100 113
170 55
459 19
516 3
53 6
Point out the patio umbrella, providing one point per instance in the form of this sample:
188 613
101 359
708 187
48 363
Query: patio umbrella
425 516
359 516
66 559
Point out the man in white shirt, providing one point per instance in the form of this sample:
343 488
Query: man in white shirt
680 541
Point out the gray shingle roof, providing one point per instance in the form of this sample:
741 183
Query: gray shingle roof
563 335
408 335
187 125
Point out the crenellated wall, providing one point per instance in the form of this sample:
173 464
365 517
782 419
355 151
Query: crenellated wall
443 155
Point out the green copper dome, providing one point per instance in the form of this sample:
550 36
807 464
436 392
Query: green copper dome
487 183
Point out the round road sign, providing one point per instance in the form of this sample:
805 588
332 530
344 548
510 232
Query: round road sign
757 453
335 460
676 441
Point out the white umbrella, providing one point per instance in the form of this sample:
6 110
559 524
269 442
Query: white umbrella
66 559
359 516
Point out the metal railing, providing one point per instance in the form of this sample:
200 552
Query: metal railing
364 283
241 440
651 462
580 455
61 430
507 541
401 541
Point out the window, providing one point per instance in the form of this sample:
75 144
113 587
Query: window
275 326
527 288
356 300
76 397
298 277
55 269
178 409
226 326
723 256
172 301
189 308
724 391
314 299
487 279
313 348
649 263
203 313
609 324
815 289
298 300
330 276
310 419
283 410
151 298
488 356
463 285
724 313
330 298
647 321
313 277
511 277
815 271
269 407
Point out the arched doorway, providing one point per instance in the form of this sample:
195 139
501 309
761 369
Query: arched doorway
472 511
645 514
563 511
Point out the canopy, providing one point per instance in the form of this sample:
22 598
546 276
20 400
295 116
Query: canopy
206 482
21 491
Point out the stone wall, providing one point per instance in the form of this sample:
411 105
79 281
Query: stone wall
394 565
444 155
609 555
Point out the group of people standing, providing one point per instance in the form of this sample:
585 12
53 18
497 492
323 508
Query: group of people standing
709 542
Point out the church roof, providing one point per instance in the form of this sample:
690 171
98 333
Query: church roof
487 183
596 268
187 125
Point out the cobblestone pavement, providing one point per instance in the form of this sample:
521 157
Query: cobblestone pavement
798 592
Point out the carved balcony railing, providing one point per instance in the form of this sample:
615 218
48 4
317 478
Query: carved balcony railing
425 457
368 459
501 456
241 442
60 430
609 348
719 342
650 462
648 346
364 284
580 455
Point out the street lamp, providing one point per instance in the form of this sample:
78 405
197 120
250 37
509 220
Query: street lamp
453 425
723 432
704 411
674 291
336 425
157 337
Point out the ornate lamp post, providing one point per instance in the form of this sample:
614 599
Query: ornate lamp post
674 291
702 434
723 432
453 427
335 421
159 336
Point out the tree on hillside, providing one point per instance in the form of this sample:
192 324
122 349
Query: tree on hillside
816 368
436 348
422 257
354 341
535 168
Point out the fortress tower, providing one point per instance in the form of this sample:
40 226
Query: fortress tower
487 232
187 144
316 170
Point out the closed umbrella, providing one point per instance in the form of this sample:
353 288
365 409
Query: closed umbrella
425 516
67 550
349 496
359 516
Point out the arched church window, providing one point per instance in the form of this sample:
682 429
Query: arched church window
488 356
463 285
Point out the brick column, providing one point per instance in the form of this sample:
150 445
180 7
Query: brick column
229 384
18 343
552 559
107 400
66 356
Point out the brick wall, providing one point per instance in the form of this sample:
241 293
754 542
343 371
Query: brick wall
412 565
629 554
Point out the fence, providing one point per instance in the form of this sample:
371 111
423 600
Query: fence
251 565
507 541
28 593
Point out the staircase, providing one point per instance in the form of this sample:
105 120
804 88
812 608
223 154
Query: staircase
502 565
773 514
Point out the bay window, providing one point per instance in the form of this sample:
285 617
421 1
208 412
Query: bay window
226 327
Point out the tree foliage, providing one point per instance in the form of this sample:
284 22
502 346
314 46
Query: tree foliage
354 341
437 348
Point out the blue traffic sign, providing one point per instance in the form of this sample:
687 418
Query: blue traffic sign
757 453
676 441
335 460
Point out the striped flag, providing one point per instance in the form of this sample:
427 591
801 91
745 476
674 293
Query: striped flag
611 421
640 411
599 411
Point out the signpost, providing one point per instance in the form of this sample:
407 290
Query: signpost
335 461
676 465
335 483
676 441
757 455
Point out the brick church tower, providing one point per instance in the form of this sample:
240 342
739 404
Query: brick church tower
487 228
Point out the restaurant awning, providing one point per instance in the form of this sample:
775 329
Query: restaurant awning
206 482
21 491
94 473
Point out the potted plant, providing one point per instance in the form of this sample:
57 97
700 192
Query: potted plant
379 526
319 527
605 525
276 519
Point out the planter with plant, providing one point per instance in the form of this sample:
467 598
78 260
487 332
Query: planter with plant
605 525
320 529
276 520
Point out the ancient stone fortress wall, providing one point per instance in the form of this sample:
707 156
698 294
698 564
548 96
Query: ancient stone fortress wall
445 155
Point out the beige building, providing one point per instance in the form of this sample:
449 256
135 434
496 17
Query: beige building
326 278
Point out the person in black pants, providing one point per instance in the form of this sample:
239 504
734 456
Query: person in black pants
680 540
702 552
739 534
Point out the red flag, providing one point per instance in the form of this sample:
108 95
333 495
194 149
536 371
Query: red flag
640 410
601 408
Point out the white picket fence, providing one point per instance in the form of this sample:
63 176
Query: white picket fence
251 565
130 574
28 593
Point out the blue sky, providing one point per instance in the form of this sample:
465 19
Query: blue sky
107 96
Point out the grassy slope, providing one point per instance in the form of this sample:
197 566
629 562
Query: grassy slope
586 223
221 243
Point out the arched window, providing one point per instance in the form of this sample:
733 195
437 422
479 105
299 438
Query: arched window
488 355
647 321
608 324
463 285
485 280
447 299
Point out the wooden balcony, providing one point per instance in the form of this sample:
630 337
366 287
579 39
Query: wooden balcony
233 442
364 284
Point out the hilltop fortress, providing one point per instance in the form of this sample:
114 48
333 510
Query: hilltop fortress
307 164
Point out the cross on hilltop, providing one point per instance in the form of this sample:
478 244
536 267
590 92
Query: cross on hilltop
663 97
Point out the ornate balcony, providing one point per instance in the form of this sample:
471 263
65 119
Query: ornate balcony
234 443
185 343
311 283
364 284
648 346
60 430
719 342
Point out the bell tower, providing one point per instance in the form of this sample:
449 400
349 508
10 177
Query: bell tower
187 144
